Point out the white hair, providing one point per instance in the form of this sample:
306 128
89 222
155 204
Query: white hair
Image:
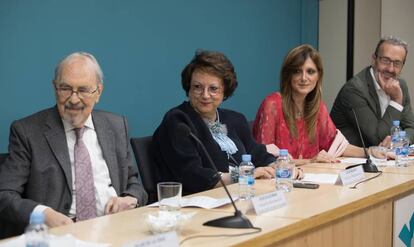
88 56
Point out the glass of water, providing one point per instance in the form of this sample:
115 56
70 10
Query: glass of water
169 196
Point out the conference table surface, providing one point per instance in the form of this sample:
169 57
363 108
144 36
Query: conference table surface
305 210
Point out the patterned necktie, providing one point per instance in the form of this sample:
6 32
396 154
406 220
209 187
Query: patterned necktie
85 191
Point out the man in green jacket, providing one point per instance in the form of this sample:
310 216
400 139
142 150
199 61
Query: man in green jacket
378 96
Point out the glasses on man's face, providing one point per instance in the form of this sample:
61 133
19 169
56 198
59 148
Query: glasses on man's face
66 92
387 61
198 89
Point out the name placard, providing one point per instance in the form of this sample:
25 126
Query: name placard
159 240
350 176
268 202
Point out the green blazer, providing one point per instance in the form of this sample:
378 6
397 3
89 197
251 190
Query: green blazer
359 94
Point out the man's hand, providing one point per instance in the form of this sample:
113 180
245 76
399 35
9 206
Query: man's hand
118 204
54 218
391 87
386 142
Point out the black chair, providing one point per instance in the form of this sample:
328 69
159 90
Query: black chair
3 157
143 150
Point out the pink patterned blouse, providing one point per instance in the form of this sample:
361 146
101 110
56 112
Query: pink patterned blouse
270 127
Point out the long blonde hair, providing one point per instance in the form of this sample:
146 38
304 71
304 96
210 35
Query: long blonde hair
293 61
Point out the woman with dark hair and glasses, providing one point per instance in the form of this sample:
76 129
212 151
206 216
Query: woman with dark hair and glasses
296 118
207 80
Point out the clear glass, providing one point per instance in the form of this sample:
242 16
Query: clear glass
169 196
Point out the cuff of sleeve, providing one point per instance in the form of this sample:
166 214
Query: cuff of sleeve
396 105
40 209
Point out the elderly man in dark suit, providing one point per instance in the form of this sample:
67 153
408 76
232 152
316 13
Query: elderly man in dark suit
378 96
69 161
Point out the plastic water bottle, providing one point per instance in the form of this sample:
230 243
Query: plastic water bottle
284 171
395 132
36 233
246 177
401 149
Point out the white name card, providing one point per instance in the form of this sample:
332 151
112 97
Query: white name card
168 239
350 176
268 202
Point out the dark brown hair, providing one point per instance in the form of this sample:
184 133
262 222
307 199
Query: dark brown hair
211 62
293 61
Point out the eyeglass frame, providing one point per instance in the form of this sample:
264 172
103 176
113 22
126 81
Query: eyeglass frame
77 92
200 90
387 61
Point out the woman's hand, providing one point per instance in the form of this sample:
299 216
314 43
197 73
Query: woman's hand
272 149
324 157
298 173
266 172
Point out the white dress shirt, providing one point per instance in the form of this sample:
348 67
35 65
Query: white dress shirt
384 99
102 181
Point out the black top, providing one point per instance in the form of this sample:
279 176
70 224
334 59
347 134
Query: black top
181 159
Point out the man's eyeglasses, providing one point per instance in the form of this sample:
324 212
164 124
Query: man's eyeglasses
82 92
199 89
386 61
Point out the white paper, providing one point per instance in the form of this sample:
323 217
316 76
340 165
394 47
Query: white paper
54 241
320 178
202 202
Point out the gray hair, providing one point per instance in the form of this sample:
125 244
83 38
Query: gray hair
393 40
88 56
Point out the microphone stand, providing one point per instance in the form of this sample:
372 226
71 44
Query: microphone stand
368 166
235 221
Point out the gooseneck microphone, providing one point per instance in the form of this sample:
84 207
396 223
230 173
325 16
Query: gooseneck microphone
235 221
368 166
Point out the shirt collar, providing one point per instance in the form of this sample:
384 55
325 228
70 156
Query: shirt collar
88 124
377 86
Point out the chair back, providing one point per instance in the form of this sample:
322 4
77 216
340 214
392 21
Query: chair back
3 157
143 150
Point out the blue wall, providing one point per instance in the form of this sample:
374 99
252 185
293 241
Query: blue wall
142 47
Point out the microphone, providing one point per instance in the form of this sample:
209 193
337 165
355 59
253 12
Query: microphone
368 166
235 221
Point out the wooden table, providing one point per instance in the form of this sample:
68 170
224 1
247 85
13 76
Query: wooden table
328 216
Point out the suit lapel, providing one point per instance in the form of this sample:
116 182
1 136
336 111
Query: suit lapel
106 139
56 138
373 99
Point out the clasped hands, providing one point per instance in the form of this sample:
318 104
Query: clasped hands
54 218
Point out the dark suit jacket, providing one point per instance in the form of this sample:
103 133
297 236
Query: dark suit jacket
360 94
38 169
180 159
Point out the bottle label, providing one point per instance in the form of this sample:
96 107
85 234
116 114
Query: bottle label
243 180
283 173
250 180
401 151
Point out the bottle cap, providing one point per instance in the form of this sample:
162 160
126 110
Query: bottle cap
37 218
283 152
246 158
396 122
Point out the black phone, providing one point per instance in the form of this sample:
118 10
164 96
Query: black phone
305 185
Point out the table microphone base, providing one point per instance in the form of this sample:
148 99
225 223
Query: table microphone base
370 168
235 221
